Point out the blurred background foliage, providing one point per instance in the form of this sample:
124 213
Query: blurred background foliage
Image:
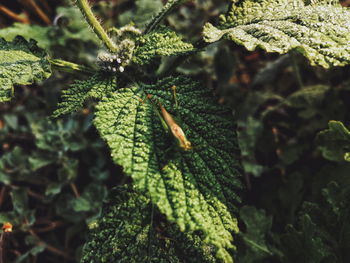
55 173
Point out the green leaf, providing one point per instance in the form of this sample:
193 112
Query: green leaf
13 165
53 188
21 62
319 30
347 156
31 252
197 189
81 205
162 42
90 199
76 27
304 245
170 5
20 200
334 142
10 216
69 171
322 233
65 207
37 163
145 10
56 137
38 33
127 232
80 91
11 121
20 204
248 135
308 97
258 225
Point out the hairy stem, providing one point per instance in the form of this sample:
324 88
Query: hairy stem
69 66
296 70
95 25
170 5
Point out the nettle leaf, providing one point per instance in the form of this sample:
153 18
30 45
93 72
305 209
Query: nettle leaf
34 251
21 62
334 142
170 5
146 10
80 91
258 225
39 33
319 30
128 232
197 189
308 97
76 27
322 233
304 244
162 42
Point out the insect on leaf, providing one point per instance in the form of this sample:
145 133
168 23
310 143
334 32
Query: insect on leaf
198 189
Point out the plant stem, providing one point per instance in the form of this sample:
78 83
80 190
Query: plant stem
170 5
69 66
39 12
13 15
47 246
75 190
1 247
2 194
95 25
296 70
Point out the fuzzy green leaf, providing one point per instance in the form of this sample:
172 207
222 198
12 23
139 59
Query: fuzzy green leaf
76 28
127 232
80 91
162 42
258 224
335 142
323 232
304 244
308 97
319 30
46 36
170 5
21 62
197 189
38 33
146 9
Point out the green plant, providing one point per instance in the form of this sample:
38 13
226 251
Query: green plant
195 190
